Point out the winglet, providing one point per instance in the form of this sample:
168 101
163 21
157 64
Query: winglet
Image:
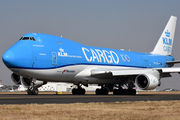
165 42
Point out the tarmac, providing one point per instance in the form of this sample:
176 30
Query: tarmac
52 98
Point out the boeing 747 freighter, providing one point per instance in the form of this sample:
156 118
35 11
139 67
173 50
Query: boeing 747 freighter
40 58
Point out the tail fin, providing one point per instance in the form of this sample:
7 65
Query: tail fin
165 42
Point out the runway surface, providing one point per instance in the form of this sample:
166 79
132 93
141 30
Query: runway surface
16 98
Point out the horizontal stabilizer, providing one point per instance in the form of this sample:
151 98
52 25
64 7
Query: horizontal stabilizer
173 62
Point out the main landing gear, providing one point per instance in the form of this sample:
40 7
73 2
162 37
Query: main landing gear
105 89
102 91
79 90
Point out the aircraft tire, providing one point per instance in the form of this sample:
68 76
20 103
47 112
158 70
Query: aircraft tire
102 91
98 91
80 91
105 92
131 92
32 91
115 92
124 92
35 91
119 92
29 92
74 91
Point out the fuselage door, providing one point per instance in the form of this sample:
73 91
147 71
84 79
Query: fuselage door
54 58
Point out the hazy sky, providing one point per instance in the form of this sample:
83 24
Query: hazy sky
119 24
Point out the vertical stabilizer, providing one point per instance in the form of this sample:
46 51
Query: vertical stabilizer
165 42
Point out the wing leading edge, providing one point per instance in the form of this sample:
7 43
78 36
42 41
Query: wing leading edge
104 73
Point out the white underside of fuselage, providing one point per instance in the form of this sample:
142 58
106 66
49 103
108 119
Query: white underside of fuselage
71 74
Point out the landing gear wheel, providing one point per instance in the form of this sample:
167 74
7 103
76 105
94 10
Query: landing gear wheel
119 92
82 91
131 92
35 91
29 92
124 92
98 91
32 91
74 91
79 91
116 92
103 91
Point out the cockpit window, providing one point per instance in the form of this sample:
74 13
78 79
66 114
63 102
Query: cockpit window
32 38
27 38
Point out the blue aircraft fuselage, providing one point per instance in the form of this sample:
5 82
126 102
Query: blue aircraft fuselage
42 51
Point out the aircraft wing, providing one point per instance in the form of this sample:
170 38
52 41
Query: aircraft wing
107 73
170 70
104 73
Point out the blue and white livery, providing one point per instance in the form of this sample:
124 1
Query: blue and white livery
40 58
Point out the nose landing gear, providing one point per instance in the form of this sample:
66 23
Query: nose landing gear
33 86
32 90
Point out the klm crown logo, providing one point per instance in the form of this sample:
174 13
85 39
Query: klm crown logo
167 42
62 53
167 33
61 50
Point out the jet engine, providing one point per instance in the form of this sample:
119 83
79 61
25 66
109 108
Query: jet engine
148 81
16 78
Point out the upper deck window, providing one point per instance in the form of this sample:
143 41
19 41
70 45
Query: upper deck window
27 38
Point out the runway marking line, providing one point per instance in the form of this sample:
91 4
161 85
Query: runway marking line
74 96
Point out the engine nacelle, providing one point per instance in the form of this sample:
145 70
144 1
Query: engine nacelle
26 82
148 81
29 82
16 78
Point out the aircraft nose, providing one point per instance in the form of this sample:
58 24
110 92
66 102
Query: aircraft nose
18 56
8 58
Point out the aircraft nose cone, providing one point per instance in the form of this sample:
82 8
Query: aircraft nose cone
8 58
